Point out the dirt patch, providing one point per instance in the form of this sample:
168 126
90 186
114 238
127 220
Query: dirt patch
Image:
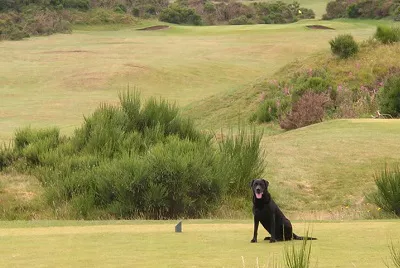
154 28
319 27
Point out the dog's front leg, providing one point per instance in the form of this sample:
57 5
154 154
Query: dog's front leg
256 222
273 234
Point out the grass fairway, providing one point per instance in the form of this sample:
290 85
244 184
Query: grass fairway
55 80
202 244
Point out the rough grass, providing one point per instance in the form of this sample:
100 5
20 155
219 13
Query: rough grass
201 244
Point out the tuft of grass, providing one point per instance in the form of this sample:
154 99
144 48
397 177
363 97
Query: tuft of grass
298 257
387 195
394 254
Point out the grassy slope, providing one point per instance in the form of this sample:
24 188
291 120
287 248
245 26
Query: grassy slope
202 244
54 80
329 166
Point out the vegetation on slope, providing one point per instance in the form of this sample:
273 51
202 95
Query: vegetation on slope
135 160
306 92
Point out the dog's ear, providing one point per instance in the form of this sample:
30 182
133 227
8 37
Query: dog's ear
266 183
251 183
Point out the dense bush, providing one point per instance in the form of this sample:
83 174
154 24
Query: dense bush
280 12
387 35
387 195
137 160
180 15
372 9
16 26
344 46
389 97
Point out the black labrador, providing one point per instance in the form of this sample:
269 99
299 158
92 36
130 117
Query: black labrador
266 211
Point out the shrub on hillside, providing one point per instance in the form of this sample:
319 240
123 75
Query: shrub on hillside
389 97
387 195
241 20
240 158
137 160
360 9
344 46
336 9
180 15
15 26
309 109
387 35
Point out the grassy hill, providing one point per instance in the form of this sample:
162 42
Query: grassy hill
216 74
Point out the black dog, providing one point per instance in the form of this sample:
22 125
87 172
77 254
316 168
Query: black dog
266 211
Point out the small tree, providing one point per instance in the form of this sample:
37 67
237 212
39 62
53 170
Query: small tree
344 46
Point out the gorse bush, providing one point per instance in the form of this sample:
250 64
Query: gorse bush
241 158
180 15
136 160
387 35
344 46
387 195
376 9
389 97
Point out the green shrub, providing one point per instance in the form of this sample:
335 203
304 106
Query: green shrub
241 20
7 156
336 9
387 35
389 97
267 111
241 159
387 195
78 4
180 15
137 160
344 46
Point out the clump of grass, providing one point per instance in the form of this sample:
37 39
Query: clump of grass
387 196
395 255
298 257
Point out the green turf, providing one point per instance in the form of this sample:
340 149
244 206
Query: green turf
201 244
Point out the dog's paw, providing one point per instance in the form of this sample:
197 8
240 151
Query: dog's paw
272 240
267 238
253 240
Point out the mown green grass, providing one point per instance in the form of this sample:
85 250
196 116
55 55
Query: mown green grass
55 80
201 244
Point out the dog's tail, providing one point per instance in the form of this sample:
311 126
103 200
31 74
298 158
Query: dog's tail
296 237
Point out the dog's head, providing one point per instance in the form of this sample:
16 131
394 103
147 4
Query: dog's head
259 186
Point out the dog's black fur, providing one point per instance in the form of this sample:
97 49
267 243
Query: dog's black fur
266 211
